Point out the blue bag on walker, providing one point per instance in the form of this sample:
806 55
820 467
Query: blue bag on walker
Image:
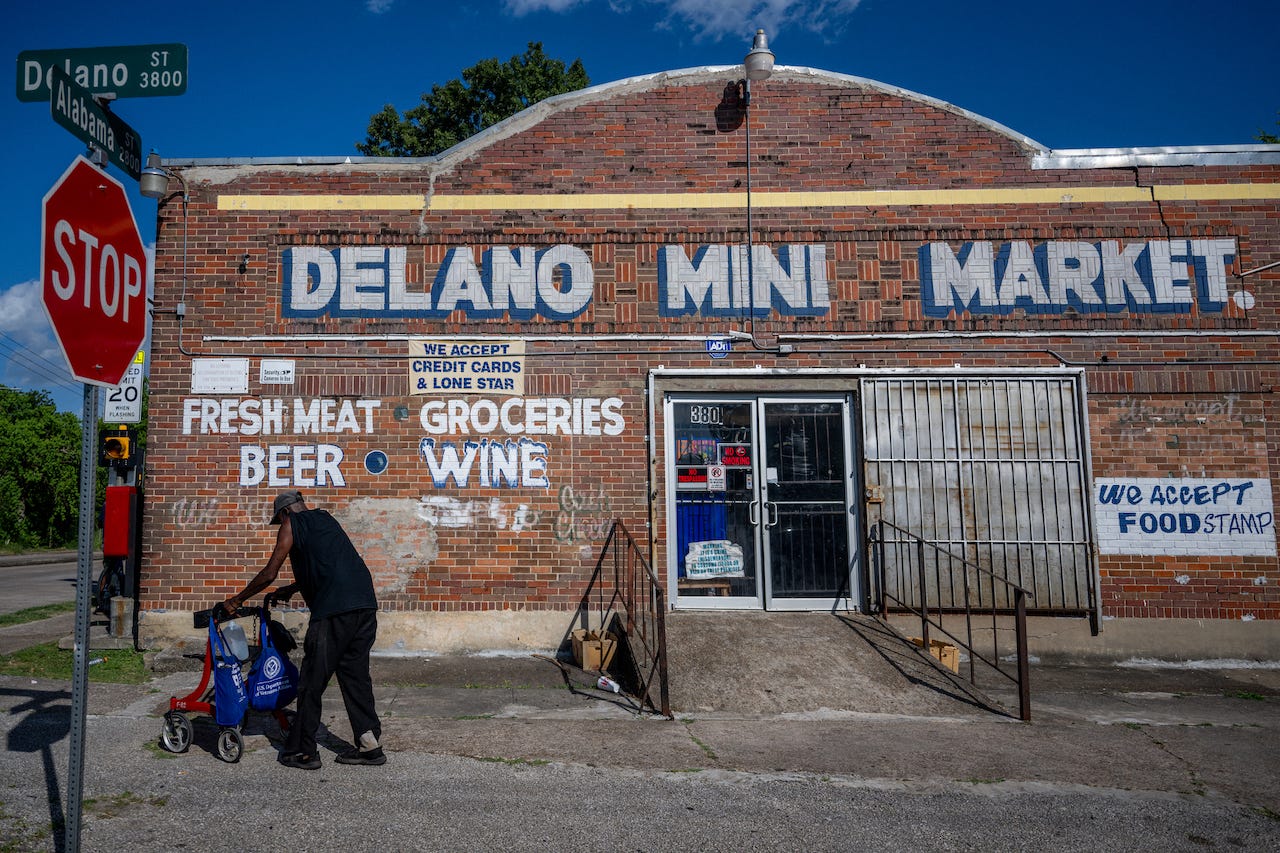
273 679
229 698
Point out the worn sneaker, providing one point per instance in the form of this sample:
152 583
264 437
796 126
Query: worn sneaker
372 757
300 760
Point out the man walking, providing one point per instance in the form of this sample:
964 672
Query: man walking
336 585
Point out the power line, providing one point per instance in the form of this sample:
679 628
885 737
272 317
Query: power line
35 366
29 354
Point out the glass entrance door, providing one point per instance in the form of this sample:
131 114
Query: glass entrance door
761 490
805 493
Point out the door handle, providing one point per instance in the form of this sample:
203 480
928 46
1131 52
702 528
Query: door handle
773 512
753 512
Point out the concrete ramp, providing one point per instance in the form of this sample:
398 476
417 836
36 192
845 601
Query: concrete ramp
755 663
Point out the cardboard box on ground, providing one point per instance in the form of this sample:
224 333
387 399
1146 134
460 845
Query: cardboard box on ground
592 650
948 654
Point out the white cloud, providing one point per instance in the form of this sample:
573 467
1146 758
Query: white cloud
23 319
30 357
377 7
29 353
520 8
715 19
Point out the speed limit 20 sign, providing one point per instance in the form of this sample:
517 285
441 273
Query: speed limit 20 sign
124 402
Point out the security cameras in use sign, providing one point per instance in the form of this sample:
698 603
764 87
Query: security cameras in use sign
137 71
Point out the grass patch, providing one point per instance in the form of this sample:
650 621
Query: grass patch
118 804
1248 694
118 666
711 753
157 750
16 835
35 614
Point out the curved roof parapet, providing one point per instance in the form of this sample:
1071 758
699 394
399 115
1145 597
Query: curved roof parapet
1041 156
687 76
1169 155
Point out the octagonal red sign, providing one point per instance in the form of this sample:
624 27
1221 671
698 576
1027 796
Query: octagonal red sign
93 272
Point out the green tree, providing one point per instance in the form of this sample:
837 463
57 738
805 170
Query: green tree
488 92
1263 136
39 471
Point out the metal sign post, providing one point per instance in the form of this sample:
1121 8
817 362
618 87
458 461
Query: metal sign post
84 579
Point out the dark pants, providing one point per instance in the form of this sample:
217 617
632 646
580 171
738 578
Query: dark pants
336 645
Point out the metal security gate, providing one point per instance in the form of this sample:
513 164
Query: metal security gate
991 469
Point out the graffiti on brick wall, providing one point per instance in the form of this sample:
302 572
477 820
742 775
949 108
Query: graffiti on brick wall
1135 412
192 512
1156 276
555 283
1185 516
579 516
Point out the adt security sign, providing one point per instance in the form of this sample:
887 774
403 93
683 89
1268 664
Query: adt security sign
719 347
93 274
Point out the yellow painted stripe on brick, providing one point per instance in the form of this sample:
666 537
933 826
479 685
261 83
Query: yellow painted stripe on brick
1216 192
320 202
693 201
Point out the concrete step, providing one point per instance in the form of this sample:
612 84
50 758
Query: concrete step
755 663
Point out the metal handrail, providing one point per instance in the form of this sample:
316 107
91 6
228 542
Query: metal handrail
879 542
624 590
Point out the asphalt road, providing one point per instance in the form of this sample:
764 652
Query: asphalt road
141 799
33 584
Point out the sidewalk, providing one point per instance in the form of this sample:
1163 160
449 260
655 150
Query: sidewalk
1202 732
1165 755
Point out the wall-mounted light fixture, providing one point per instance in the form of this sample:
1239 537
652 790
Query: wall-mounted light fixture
154 182
758 65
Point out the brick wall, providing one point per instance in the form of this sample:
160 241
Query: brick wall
1196 399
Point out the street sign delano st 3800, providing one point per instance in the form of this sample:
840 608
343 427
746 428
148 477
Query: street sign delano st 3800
137 71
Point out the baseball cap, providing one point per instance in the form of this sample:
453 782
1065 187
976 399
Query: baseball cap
283 500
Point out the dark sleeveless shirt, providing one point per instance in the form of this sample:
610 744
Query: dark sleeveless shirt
331 575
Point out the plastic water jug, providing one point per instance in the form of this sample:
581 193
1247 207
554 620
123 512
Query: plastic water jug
237 644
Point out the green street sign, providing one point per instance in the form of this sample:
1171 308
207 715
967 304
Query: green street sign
73 107
139 71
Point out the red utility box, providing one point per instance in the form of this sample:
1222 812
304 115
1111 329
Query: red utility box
117 520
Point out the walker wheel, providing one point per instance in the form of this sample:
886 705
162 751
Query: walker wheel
175 736
230 745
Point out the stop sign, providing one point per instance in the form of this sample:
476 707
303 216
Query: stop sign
93 273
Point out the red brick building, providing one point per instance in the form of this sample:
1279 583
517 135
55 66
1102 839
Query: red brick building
1061 364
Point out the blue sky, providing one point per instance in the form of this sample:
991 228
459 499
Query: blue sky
302 78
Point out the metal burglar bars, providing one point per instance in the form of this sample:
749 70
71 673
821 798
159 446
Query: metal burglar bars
993 468
625 592
911 562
